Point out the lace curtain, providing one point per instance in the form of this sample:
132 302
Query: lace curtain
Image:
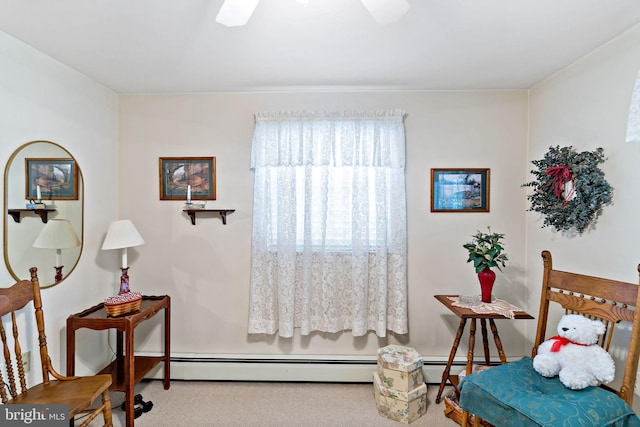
633 126
329 248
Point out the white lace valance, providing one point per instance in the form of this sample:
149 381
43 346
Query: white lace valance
333 139
329 115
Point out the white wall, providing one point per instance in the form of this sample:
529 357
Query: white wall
41 99
205 268
586 106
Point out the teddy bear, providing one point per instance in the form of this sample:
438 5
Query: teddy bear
574 354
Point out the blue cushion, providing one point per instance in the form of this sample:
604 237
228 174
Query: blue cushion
516 395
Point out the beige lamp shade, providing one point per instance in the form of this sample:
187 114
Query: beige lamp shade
57 234
122 234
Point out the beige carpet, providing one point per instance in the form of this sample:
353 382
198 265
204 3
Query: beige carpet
266 404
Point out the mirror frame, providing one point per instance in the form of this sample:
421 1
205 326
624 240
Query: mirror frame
8 217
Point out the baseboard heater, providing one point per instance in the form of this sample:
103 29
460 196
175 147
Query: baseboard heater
317 369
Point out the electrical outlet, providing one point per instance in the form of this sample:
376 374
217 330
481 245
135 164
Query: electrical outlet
26 361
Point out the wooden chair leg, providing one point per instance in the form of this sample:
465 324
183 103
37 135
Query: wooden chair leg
106 411
465 418
464 422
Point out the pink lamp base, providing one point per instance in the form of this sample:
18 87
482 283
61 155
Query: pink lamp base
124 281
58 273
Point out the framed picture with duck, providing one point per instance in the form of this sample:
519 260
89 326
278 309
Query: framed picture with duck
460 190
51 179
184 178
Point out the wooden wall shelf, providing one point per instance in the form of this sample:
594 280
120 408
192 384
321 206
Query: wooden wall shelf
16 214
223 213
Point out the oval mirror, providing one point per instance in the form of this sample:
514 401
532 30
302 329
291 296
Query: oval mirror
44 212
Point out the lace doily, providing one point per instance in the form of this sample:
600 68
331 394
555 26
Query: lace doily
497 306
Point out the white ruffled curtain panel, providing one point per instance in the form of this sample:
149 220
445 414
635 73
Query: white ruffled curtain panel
329 224
633 126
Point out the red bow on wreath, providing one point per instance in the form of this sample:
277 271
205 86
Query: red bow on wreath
559 175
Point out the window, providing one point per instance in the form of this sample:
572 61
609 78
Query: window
329 224
331 194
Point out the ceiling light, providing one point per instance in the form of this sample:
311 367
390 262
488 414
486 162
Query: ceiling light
386 11
235 13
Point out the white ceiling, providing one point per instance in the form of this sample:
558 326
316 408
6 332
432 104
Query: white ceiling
143 46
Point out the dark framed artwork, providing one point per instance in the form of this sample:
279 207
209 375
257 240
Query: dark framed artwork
180 174
57 179
460 190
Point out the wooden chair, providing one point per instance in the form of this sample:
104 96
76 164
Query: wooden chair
77 392
516 395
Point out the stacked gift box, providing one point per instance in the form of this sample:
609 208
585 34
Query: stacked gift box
398 384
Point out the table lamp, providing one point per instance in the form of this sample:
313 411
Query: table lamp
57 234
122 234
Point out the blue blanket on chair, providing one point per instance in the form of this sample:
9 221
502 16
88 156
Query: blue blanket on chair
515 394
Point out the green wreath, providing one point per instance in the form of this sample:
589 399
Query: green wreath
570 189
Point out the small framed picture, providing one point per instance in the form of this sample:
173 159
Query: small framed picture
51 179
192 177
460 190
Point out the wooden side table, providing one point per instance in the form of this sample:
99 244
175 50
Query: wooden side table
464 314
127 370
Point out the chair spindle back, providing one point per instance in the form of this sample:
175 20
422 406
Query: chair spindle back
610 301
12 300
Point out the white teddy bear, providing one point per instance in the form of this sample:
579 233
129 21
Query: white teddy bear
574 354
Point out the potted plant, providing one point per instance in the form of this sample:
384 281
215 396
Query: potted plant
486 250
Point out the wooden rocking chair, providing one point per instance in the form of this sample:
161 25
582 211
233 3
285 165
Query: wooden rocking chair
514 394
77 392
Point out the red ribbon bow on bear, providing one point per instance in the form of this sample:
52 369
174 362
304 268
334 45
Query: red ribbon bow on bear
560 341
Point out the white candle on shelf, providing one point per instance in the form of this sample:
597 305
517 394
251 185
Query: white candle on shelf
188 194
38 193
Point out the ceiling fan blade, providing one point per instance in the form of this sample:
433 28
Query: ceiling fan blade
386 12
235 13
